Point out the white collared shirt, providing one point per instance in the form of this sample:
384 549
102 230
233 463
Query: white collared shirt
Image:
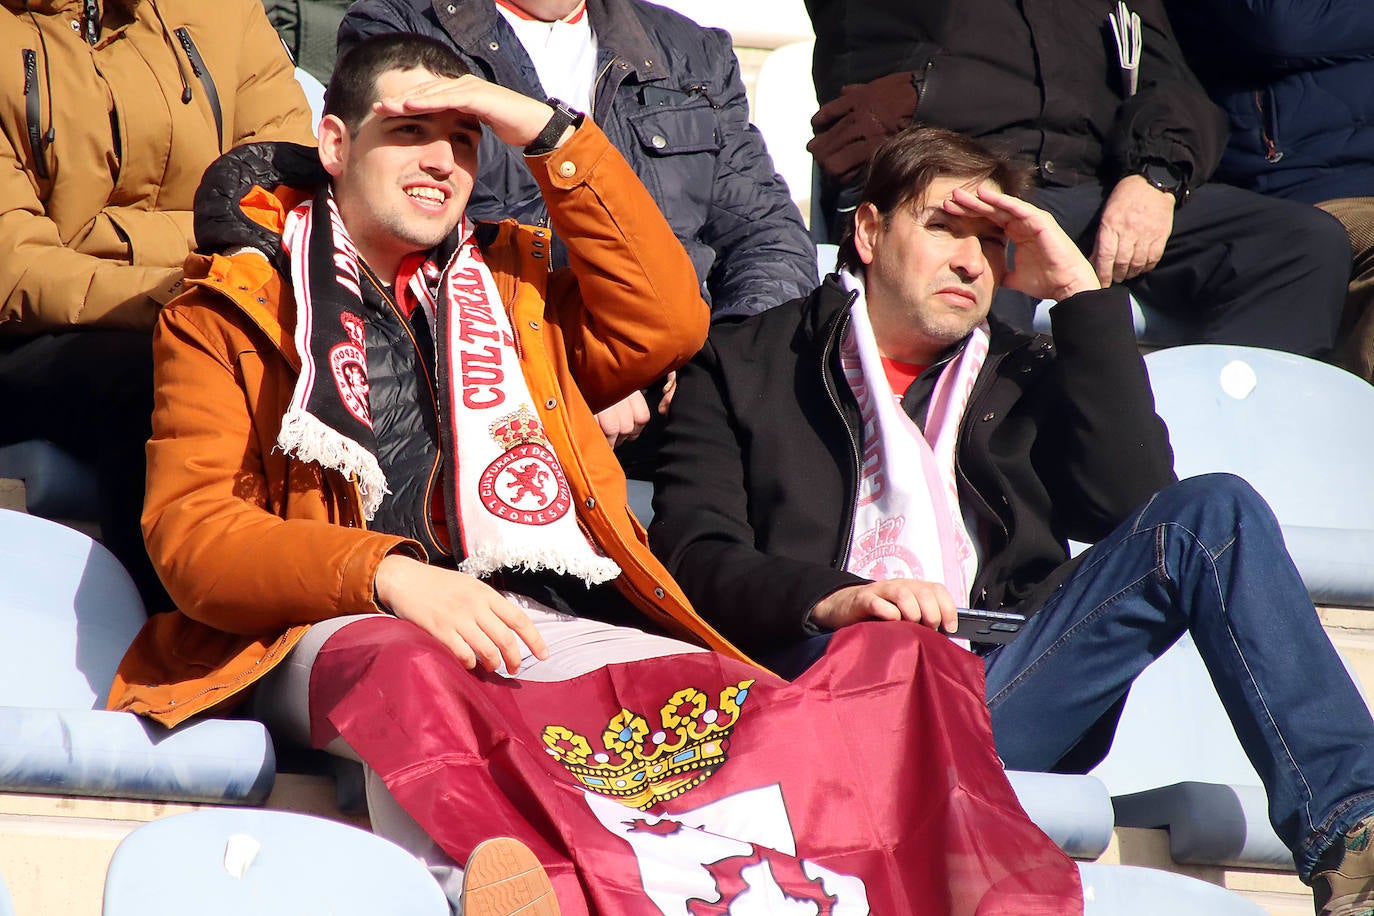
563 53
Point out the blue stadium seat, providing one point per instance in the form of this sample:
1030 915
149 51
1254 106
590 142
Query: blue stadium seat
6 904
1127 890
1299 431
69 611
228 862
56 484
1175 764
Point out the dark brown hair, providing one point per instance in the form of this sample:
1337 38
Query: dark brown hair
353 86
906 163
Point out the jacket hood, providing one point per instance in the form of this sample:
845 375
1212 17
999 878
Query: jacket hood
222 225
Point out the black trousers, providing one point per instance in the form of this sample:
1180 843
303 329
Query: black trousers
1240 267
91 392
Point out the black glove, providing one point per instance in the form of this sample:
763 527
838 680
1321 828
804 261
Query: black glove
849 128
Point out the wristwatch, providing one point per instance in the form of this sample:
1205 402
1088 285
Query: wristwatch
563 117
1165 177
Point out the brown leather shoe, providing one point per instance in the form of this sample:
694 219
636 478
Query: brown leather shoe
1343 883
503 878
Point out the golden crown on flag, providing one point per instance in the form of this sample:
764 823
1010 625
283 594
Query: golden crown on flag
640 766
519 427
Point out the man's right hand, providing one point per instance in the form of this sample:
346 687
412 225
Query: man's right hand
515 119
474 620
850 127
926 603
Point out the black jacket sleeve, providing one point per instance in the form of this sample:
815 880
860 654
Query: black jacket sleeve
1101 450
1170 118
701 529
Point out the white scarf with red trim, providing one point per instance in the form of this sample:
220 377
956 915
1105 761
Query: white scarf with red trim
908 524
514 504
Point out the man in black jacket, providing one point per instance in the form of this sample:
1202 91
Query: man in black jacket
1123 162
781 511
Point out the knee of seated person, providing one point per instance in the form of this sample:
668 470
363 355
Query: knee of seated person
1225 492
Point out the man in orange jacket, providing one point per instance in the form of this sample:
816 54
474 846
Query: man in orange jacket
374 405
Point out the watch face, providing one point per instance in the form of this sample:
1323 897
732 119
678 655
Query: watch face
1162 177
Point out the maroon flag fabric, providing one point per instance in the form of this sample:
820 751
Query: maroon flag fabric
695 785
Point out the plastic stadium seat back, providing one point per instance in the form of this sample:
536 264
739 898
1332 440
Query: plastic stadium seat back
57 485
228 862
68 609
1295 428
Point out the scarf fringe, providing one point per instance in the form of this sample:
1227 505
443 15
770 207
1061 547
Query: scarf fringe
593 570
307 438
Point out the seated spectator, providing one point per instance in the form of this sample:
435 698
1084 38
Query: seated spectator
116 108
878 451
1293 79
1123 159
668 94
375 464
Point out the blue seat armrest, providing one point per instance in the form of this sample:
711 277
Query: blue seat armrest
1074 811
117 754
1209 824
1337 564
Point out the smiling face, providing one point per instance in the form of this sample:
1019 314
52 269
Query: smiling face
401 183
928 276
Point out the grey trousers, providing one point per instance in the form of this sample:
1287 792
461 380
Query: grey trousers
576 646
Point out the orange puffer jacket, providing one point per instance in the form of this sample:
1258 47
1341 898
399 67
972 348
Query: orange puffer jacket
254 545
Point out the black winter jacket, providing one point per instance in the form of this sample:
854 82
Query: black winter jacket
669 96
755 493
1038 77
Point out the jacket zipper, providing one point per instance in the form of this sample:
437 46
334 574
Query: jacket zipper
842 559
202 73
1269 127
33 111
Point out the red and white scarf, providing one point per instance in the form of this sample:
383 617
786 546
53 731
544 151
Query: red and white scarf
907 520
514 506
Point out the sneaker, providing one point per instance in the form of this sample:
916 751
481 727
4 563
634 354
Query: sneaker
503 878
1343 881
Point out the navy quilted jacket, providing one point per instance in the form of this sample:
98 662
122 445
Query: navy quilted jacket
688 138
1296 79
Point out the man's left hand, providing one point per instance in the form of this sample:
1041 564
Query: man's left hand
515 119
624 421
1135 226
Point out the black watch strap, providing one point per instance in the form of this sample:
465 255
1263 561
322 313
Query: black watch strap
563 117
1164 177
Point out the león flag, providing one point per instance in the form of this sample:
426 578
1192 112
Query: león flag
696 785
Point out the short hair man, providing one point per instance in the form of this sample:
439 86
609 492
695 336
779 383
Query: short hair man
263 483
878 451
374 412
668 93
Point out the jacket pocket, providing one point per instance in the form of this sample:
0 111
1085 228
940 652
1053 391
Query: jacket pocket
671 130
675 151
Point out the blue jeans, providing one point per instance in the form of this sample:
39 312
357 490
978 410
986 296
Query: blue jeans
1204 556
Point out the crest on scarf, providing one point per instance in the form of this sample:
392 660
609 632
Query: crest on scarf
641 766
349 365
526 483
880 555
